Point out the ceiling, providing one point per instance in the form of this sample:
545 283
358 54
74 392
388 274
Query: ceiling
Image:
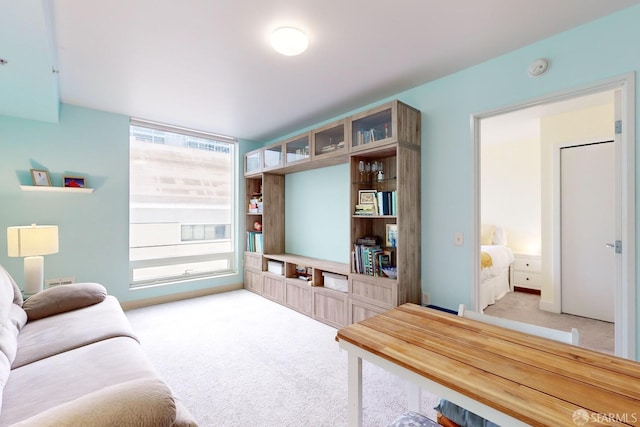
207 64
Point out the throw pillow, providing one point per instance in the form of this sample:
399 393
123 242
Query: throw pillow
63 298
145 402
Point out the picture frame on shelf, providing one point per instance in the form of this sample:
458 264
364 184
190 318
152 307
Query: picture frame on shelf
40 178
74 182
367 197
391 235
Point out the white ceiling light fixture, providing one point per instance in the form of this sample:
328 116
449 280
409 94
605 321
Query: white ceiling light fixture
289 41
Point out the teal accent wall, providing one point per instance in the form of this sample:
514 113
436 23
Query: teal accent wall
93 228
317 216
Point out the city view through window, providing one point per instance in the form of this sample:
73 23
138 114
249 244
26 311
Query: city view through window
181 206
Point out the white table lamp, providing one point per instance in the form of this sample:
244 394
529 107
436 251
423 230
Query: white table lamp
32 242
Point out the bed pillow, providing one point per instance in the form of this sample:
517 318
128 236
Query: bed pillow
500 236
63 298
486 234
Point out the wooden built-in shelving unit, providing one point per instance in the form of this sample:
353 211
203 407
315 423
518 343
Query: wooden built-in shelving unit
387 135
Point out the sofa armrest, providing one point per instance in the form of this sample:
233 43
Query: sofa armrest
137 403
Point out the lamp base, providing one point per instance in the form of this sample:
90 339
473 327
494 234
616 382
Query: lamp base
33 274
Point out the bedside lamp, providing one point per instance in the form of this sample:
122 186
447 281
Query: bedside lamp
32 242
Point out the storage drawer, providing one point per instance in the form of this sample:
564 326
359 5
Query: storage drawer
273 287
380 292
299 296
529 280
253 281
253 261
527 264
330 307
359 311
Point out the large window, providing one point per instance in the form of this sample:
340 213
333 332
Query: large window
180 204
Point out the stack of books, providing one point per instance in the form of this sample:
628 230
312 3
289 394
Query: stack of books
366 210
255 203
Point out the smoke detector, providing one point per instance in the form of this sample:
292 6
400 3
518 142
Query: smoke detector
538 67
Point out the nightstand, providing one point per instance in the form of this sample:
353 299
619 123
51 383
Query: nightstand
526 272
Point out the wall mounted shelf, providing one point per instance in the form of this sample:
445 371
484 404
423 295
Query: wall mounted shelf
52 189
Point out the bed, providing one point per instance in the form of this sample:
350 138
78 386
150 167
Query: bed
495 258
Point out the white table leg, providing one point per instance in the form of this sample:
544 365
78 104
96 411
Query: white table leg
355 390
414 396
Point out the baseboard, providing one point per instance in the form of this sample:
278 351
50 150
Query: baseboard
128 305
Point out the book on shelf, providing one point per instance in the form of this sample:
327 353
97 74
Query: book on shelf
371 259
384 203
365 209
254 241
368 240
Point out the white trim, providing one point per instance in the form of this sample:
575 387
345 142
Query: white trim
625 324
181 130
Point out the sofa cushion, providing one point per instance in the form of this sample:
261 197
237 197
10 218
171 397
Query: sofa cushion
72 329
63 298
56 380
138 403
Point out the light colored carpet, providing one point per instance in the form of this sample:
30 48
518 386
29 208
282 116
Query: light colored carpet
594 334
237 359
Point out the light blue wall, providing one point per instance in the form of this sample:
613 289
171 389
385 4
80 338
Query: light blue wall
317 213
93 228
600 50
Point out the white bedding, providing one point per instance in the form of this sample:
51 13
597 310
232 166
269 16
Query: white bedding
502 258
494 280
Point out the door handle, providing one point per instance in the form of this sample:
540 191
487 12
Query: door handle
617 245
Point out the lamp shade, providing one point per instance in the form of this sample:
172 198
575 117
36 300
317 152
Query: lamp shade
32 240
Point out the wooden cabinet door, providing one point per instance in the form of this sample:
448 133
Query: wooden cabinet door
330 307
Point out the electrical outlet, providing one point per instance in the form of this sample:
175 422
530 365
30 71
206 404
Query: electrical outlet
52 283
425 298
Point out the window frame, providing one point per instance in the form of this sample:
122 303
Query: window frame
230 257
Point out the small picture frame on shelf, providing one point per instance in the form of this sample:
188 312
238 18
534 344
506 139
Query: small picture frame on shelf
40 178
74 182
391 235
367 197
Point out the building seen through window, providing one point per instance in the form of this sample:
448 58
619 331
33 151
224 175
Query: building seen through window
181 204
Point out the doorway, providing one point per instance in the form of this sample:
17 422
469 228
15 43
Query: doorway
624 210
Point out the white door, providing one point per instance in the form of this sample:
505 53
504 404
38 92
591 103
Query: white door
587 192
